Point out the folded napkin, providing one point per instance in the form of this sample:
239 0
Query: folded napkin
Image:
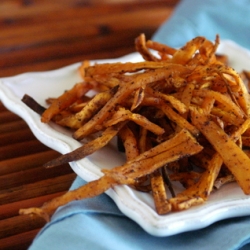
97 223
207 18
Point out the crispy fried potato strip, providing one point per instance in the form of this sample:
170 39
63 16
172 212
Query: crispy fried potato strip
89 190
65 100
159 193
179 115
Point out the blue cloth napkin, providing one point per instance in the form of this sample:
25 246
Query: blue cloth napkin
97 223
229 19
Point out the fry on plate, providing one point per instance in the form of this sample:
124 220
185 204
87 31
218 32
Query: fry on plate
180 116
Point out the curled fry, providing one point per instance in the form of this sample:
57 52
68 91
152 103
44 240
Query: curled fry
180 115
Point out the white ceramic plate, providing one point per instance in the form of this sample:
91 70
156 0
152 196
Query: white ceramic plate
227 202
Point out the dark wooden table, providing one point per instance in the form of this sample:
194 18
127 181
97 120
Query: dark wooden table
39 35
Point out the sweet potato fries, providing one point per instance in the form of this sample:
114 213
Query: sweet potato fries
181 115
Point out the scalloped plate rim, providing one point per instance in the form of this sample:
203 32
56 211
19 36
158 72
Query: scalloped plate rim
133 204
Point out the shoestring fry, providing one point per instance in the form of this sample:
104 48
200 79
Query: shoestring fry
179 115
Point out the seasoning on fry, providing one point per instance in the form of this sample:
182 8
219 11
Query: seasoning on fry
182 115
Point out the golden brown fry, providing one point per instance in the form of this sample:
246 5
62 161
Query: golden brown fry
186 97
185 202
91 189
138 98
203 187
226 116
143 140
237 161
208 104
181 145
65 100
162 204
141 47
92 107
128 67
123 92
178 119
171 114
162 48
125 115
242 96
175 109
185 54
85 64
225 101
177 104
129 142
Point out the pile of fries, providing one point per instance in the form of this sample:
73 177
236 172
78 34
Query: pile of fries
180 115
